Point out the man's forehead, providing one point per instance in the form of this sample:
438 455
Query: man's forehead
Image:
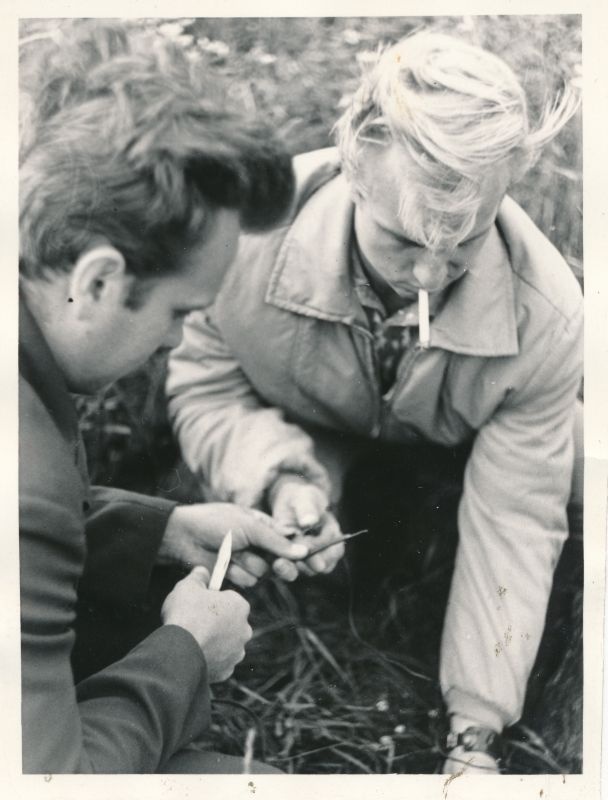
389 173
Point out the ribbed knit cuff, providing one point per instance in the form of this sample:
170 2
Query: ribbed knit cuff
474 710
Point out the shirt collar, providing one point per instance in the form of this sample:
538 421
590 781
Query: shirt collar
312 276
39 368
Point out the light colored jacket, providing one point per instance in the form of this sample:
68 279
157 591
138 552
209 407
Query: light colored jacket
286 347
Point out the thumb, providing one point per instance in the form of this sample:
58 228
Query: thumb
200 575
309 506
265 537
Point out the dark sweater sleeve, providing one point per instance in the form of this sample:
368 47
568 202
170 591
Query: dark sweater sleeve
123 531
131 716
134 714
141 710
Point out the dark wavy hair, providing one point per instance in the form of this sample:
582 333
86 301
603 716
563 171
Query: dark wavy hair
125 137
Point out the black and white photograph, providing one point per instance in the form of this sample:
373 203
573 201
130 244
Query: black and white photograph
302 407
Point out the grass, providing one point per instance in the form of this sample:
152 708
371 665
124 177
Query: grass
327 689
329 686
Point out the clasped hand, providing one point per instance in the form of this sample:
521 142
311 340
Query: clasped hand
304 509
194 533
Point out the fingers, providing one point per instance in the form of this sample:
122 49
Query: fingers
252 563
326 561
309 505
201 575
223 676
263 533
286 570
240 577
323 562
298 503
317 563
246 569
267 522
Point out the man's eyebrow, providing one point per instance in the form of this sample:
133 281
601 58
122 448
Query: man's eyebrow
477 235
404 238
187 308
397 235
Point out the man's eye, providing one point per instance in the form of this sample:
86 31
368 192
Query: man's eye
181 313
408 242
404 241
396 236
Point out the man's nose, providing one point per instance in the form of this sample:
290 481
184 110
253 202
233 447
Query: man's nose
174 336
431 273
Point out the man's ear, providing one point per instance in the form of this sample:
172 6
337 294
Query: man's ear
98 277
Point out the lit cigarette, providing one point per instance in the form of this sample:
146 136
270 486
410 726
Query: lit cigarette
423 318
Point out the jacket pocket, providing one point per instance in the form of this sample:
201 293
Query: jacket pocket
331 373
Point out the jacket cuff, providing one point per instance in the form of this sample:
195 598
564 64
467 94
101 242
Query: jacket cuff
476 709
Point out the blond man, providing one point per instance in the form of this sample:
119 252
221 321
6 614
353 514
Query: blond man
408 299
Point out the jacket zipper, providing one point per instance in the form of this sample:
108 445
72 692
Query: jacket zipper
383 403
403 374
372 366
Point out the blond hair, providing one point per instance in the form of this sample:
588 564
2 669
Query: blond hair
459 112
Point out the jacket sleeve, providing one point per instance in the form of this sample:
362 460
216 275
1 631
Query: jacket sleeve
512 525
230 440
124 531
128 718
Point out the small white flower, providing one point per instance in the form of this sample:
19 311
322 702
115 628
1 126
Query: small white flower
399 729
382 705
386 741
262 57
172 30
351 36
215 47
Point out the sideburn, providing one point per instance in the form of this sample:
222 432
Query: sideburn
138 292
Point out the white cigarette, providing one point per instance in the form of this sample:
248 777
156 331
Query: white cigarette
423 318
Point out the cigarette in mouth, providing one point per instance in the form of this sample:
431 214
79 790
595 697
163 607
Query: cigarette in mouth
423 318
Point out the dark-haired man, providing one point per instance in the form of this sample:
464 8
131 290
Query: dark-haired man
125 229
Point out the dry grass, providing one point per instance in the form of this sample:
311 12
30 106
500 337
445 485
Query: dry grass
329 690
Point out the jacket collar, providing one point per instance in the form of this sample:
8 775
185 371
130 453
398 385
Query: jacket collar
38 367
311 276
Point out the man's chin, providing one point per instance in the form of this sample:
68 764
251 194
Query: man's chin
96 385
90 388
